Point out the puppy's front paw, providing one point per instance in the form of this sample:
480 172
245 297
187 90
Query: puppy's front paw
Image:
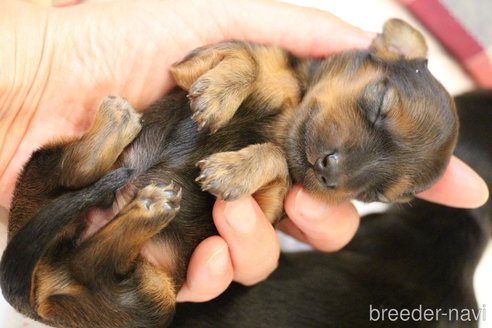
218 79
158 200
214 101
224 176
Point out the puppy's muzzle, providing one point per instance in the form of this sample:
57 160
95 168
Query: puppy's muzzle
327 169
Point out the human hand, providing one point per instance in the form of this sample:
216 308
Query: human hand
70 58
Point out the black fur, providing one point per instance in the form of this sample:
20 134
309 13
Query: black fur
169 134
18 264
420 255
166 150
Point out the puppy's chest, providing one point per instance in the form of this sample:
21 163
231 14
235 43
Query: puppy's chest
168 149
170 141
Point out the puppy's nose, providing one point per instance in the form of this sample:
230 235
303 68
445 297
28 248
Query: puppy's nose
326 169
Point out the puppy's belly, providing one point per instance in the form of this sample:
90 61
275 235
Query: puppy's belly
157 252
96 218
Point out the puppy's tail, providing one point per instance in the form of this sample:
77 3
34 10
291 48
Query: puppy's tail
23 251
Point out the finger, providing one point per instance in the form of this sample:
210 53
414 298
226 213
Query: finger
325 227
209 271
460 187
252 241
304 31
290 228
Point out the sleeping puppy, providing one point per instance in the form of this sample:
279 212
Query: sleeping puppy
371 125
409 267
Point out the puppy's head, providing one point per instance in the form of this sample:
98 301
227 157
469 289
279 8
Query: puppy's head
374 125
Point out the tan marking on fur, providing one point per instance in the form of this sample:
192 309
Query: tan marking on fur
276 83
50 281
161 253
271 197
115 126
218 78
338 109
204 59
257 169
158 285
121 240
221 77
337 123
399 40
395 191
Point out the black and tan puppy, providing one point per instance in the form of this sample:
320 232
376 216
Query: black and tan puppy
372 125
410 267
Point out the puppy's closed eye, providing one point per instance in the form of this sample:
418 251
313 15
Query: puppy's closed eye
375 102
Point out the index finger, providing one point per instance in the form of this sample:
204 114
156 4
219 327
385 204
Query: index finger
460 187
304 31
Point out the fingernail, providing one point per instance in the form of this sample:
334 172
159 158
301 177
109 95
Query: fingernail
307 207
240 214
218 261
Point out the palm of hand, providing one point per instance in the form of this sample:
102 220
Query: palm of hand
88 53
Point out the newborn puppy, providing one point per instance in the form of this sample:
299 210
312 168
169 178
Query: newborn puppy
372 125
417 261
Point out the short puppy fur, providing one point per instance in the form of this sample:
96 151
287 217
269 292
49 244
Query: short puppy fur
416 257
371 125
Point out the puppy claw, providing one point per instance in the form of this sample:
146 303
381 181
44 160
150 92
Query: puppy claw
226 196
222 175
168 207
176 197
146 203
202 125
156 199
192 95
196 115
201 178
214 101
201 163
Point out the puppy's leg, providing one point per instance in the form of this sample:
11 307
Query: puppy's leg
221 77
147 300
118 244
109 258
86 160
260 170
49 230
75 163
218 79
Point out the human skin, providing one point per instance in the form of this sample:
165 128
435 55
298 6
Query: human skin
56 64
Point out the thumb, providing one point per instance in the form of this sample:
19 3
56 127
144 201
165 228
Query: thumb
325 227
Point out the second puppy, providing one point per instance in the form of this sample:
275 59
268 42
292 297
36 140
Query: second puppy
372 125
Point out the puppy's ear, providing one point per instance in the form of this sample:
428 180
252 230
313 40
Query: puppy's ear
399 40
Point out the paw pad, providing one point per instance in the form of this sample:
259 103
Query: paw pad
160 197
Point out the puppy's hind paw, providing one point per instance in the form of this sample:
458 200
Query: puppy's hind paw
118 114
159 200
